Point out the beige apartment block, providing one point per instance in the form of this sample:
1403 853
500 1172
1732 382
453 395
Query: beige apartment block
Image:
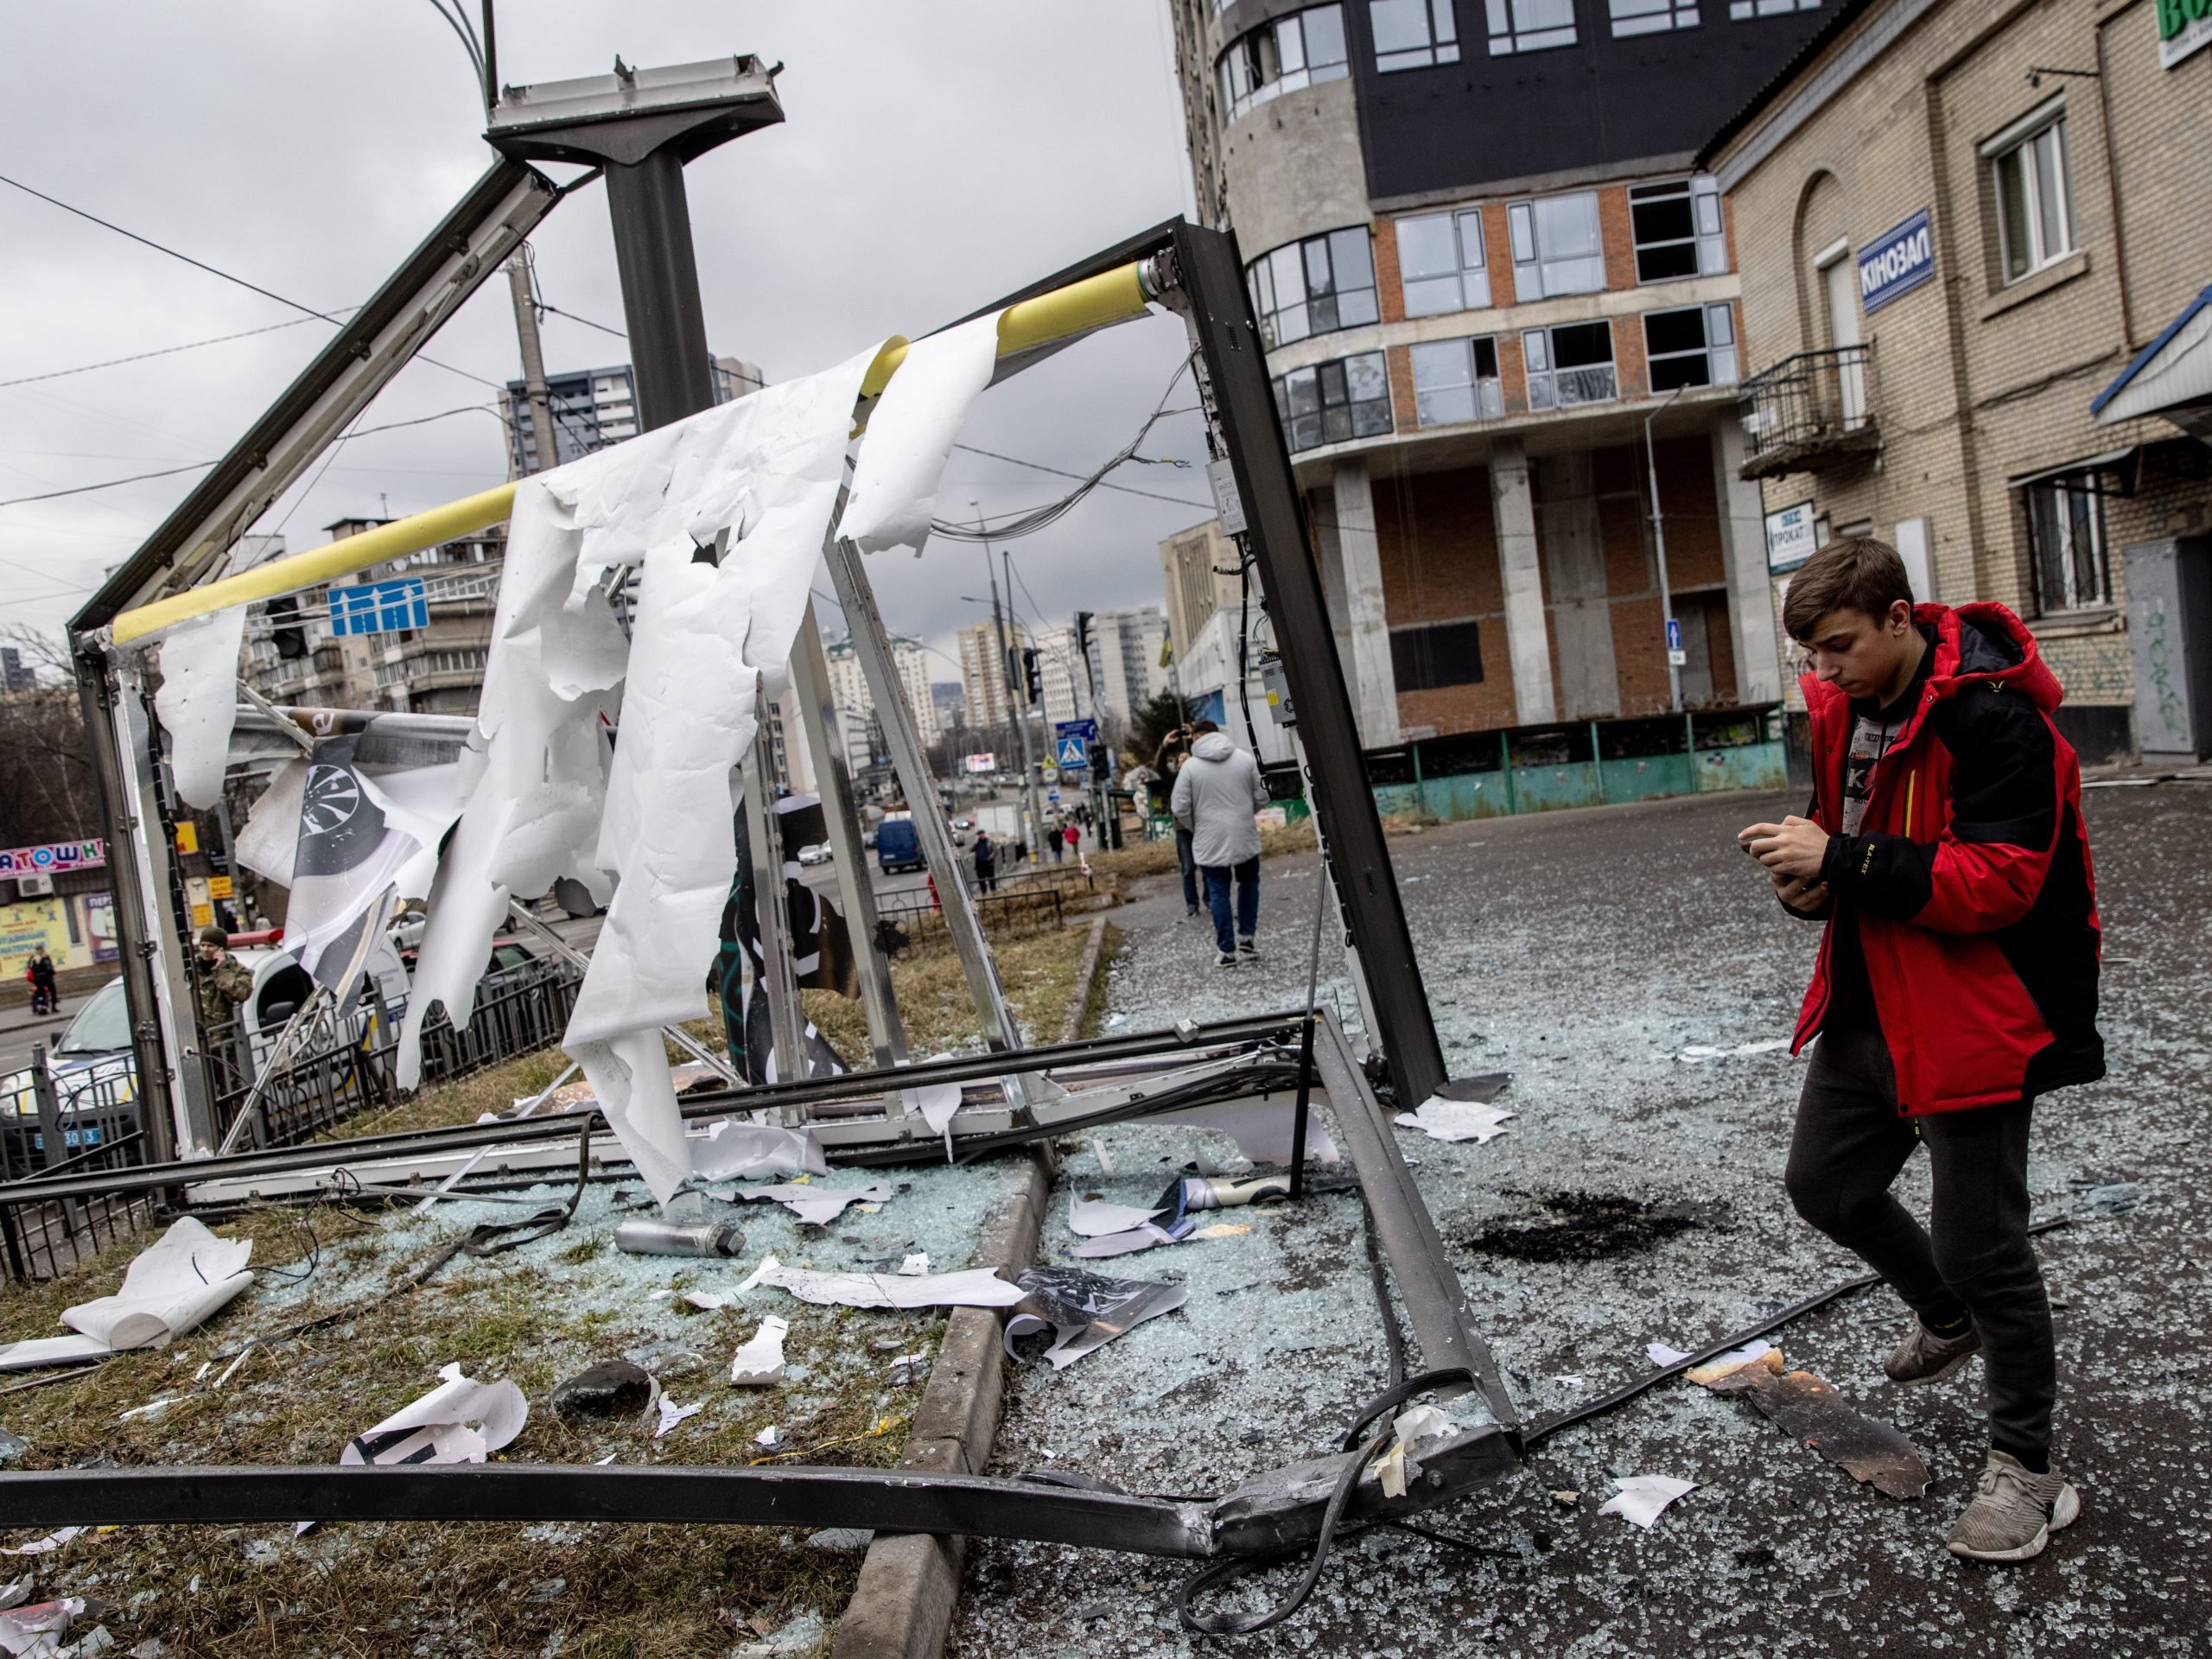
1959 225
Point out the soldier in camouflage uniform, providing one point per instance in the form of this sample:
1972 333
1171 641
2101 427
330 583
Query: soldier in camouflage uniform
220 981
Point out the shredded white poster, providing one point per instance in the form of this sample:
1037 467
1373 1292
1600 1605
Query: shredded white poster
911 434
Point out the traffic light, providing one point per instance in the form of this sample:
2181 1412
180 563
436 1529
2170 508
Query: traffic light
1031 674
1083 634
286 633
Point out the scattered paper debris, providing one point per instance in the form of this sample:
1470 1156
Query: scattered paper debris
915 1266
1663 1356
1410 1430
35 1632
16 1594
1084 1310
170 1287
744 1152
1566 1498
907 1369
820 1205
710 1301
671 1414
759 1363
1642 1496
1457 1120
48 1545
1095 1218
460 1420
770 1439
975 1288
152 1409
1752 1352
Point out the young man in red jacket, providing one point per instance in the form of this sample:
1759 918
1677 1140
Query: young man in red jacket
1957 983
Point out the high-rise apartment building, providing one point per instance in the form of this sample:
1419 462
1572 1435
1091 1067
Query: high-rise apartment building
982 673
849 689
1198 572
1484 268
1126 647
593 407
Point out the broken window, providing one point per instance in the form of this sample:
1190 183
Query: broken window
1569 365
1302 49
1694 347
1335 401
1313 287
1456 380
1677 229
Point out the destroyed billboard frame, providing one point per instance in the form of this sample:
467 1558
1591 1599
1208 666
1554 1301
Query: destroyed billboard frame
1197 273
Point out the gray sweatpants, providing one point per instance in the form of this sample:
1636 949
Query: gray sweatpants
1975 1257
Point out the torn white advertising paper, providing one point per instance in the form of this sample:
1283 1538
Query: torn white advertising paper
819 1205
770 1439
36 1353
700 1299
1095 1218
1642 1496
271 836
1262 1130
1663 1356
937 1102
915 1266
460 1420
671 1414
734 1151
48 1545
171 1287
199 700
1456 1120
759 1363
1084 1310
35 1632
152 1408
975 1289
1410 1431
910 433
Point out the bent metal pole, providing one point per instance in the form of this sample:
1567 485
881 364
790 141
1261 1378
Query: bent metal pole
1097 301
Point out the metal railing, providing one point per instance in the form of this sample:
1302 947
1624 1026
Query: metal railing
1809 411
78 1123
1568 388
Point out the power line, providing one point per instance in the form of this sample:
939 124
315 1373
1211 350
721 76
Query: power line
164 351
193 466
1061 472
201 264
555 310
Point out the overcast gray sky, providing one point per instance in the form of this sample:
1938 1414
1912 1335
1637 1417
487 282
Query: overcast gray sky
934 156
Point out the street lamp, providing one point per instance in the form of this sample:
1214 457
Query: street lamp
1659 542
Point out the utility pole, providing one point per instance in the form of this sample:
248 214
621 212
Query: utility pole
1029 837
1020 711
533 365
1659 543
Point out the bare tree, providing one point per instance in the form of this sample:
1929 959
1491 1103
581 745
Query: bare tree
51 793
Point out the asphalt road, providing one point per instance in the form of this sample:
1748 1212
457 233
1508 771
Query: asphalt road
1585 952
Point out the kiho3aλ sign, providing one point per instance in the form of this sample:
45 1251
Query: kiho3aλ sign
1898 262
2184 26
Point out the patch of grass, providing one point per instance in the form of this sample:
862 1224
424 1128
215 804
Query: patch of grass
1137 858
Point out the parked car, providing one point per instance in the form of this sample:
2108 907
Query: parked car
816 853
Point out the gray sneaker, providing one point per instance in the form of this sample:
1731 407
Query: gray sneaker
1923 1356
2013 1513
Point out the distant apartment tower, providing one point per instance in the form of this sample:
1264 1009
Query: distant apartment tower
1126 647
849 689
982 673
950 700
593 408
1060 674
1197 571
16 676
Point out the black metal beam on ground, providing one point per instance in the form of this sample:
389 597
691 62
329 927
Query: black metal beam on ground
1359 861
1436 1303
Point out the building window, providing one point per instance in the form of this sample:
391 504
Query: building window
1570 364
1677 230
1430 658
2035 205
1413 34
2066 531
1652 16
1456 380
1530 25
1331 402
1299 50
1315 286
1742 10
1441 262
1558 247
1694 347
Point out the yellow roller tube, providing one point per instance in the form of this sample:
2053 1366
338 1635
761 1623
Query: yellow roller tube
340 558
1114 297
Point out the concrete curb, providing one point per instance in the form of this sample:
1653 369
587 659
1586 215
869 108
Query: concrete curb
902 1607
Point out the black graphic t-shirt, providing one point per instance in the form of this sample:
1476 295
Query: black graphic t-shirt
1874 730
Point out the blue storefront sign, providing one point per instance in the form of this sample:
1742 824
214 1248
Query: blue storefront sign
1898 261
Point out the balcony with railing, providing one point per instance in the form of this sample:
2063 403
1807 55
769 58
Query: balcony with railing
1810 412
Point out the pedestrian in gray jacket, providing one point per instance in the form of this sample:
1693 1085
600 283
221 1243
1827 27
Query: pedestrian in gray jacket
1217 793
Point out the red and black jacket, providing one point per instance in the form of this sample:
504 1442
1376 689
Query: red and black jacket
1969 882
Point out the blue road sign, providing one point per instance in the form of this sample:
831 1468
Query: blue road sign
1673 634
379 607
1085 729
1071 751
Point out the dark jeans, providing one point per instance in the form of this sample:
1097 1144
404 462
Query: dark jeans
1847 1149
1189 865
1246 877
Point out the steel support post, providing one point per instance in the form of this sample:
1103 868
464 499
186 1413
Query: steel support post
865 624
162 942
660 289
154 1035
771 913
1217 310
855 893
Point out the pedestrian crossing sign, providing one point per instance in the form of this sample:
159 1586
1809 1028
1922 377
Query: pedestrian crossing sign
1072 753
